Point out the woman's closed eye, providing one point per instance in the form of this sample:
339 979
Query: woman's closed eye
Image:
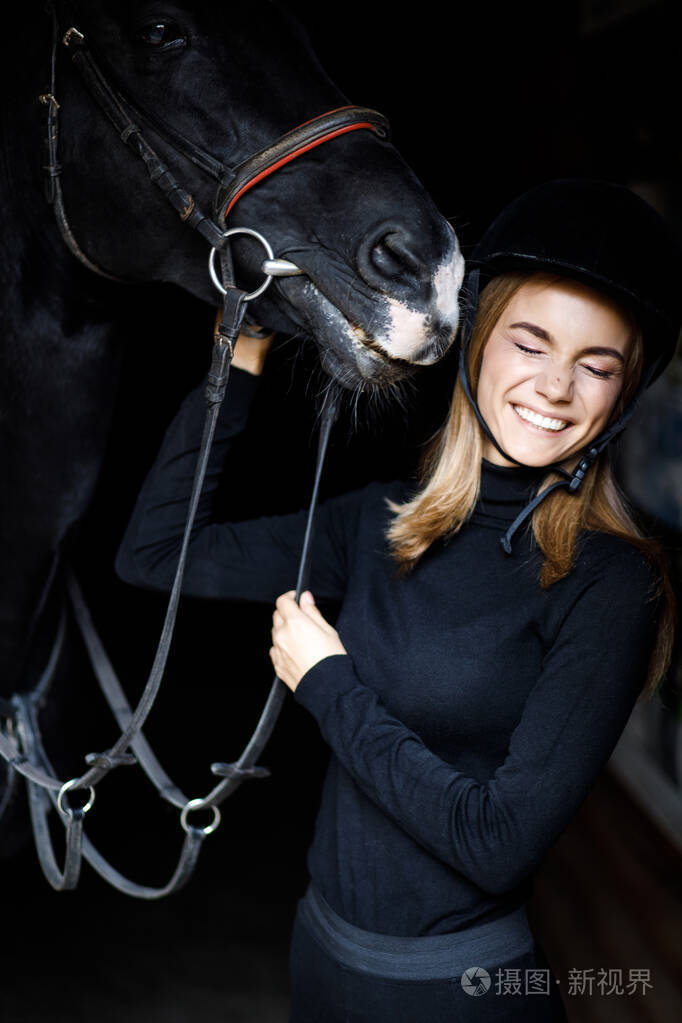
527 349
602 374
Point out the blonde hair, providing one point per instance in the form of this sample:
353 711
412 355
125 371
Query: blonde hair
450 477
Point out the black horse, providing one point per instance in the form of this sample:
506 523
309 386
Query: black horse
381 267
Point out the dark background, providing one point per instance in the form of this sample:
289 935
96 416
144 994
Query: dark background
484 101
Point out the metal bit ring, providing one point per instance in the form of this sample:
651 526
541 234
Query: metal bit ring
266 245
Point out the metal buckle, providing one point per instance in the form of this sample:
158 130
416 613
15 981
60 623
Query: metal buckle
73 36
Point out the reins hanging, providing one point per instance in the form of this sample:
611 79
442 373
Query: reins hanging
21 746
32 761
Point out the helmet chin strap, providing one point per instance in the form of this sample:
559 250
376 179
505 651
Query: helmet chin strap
571 480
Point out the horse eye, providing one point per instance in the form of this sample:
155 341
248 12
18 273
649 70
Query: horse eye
162 35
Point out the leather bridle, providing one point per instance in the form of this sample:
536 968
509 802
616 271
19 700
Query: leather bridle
21 744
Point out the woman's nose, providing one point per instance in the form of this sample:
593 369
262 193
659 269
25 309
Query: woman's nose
556 383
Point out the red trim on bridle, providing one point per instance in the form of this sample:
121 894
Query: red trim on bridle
304 148
336 110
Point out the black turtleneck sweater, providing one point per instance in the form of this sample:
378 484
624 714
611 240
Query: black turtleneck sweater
473 710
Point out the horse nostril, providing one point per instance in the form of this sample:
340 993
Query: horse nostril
388 254
392 255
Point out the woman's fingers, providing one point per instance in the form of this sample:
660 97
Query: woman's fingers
286 602
300 637
310 609
287 608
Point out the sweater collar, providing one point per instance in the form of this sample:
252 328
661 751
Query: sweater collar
505 491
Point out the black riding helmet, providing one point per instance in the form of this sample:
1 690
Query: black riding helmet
605 236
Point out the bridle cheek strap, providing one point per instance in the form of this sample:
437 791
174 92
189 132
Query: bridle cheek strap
295 143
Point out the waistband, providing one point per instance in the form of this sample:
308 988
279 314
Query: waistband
431 957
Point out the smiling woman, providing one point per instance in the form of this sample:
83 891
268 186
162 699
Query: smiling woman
552 370
469 694
570 327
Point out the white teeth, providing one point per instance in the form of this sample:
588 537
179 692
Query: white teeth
538 420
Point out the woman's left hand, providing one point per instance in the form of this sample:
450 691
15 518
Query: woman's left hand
300 637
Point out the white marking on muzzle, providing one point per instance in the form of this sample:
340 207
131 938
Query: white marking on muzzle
409 329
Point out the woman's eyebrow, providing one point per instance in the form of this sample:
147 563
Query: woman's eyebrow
598 350
533 328
544 335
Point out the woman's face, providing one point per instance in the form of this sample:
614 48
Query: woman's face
552 372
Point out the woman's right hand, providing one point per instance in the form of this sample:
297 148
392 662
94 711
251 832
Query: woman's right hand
250 352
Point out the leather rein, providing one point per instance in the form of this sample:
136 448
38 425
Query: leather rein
20 744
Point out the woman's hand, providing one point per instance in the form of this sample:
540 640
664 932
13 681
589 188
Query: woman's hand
249 352
300 637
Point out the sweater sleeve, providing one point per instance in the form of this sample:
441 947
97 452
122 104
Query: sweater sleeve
256 559
497 831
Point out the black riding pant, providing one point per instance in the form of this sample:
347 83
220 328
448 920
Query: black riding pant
490 973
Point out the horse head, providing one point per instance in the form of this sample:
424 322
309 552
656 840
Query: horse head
381 267
208 85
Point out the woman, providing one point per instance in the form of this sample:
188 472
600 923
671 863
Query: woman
472 690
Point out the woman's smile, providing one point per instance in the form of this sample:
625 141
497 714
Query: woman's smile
538 421
552 371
